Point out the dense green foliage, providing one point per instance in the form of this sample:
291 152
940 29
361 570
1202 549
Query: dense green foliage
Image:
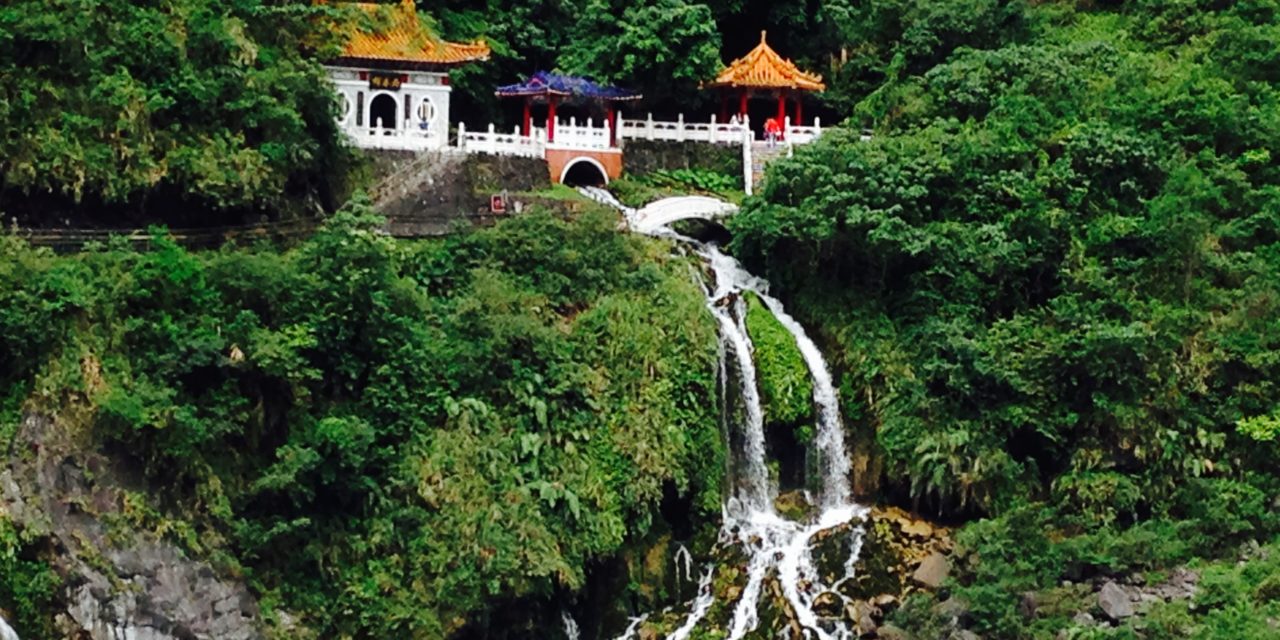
1052 277
27 585
127 104
469 420
785 386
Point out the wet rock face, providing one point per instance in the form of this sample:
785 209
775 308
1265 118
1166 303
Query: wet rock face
119 583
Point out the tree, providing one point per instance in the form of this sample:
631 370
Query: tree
127 105
661 47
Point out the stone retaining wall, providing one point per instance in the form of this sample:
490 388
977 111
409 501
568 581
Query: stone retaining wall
428 193
647 156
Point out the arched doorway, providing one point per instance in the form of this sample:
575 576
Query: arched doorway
584 172
382 111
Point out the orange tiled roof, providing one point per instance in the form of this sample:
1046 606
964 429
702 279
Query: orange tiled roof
399 37
764 68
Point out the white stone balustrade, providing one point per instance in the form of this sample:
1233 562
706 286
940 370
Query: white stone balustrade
587 135
801 134
503 144
681 131
410 136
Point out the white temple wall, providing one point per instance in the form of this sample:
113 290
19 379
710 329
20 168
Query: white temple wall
420 106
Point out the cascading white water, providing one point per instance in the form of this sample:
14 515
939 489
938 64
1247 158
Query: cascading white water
632 626
701 605
570 626
7 632
829 440
774 544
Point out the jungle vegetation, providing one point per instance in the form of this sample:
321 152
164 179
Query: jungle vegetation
1048 283
1051 284
472 420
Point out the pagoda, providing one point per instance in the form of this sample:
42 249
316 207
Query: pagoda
762 72
392 78
554 89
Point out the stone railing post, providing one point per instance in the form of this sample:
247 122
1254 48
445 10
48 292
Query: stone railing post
787 136
462 136
711 132
680 133
648 127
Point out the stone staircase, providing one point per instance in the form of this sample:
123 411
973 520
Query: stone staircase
761 155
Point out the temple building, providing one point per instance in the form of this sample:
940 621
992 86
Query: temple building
764 73
393 79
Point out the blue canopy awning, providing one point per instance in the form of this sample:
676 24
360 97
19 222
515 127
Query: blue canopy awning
544 84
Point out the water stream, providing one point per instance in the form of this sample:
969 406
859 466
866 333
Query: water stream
775 546
7 632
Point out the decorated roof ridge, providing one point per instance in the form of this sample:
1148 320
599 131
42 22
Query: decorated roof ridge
762 67
394 33
544 83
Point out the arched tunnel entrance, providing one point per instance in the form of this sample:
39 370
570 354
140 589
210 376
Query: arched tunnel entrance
584 172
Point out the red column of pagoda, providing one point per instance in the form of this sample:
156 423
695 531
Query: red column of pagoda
782 114
551 119
612 119
528 118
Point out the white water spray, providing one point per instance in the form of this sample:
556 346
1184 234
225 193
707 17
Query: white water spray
7 632
683 560
570 626
700 606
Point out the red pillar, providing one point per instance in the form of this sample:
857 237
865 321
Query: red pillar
611 117
551 119
797 121
528 116
782 114
742 103
724 107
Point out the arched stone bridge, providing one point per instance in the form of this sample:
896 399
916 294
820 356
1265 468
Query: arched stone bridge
668 210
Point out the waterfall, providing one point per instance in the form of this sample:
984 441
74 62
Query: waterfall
833 458
699 611
570 626
7 632
774 545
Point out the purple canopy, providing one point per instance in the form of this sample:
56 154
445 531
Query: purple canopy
543 84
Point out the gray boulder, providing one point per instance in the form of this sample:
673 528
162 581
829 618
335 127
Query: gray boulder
933 571
890 632
1114 602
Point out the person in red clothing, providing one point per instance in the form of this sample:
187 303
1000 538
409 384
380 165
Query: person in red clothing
772 130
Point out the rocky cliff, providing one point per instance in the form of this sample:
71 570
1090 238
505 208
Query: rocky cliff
119 581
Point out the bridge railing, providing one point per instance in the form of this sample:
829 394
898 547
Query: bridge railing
681 131
503 144
586 135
